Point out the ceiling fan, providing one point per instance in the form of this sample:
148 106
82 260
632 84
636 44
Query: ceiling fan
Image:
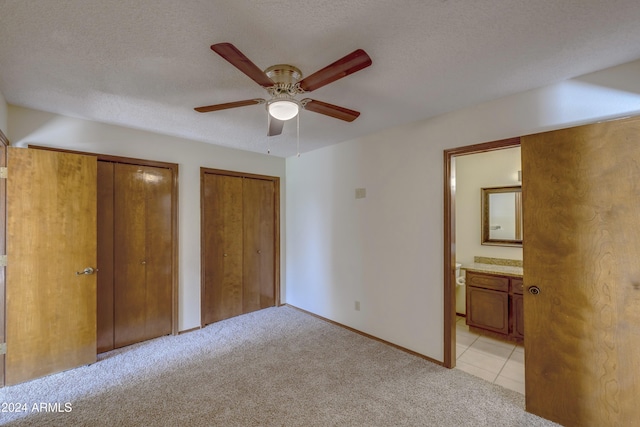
284 82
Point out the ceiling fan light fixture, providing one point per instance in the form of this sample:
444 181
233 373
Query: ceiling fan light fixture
283 109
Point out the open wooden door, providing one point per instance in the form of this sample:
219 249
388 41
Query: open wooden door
581 190
51 250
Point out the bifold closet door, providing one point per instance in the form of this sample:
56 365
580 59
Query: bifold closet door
258 244
222 246
238 232
105 256
142 253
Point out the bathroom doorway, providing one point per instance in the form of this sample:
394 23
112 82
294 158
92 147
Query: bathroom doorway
450 237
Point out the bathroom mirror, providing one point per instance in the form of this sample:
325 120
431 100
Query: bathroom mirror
502 216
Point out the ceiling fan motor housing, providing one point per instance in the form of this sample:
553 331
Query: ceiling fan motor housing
286 79
284 74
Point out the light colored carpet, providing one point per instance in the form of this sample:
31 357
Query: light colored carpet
275 367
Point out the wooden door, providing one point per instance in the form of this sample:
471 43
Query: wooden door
51 235
4 143
581 190
158 251
105 257
258 244
142 253
222 252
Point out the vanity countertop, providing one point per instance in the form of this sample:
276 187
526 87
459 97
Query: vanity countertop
505 270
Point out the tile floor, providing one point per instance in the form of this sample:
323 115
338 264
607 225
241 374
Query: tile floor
500 362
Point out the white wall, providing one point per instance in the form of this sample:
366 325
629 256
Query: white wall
40 128
473 172
386 250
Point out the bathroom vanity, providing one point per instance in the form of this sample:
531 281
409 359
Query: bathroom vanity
494 296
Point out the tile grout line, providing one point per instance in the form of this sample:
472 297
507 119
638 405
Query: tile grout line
465 350
506 360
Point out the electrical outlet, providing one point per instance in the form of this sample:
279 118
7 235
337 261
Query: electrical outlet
357 305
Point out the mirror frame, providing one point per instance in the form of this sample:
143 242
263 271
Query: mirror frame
486 192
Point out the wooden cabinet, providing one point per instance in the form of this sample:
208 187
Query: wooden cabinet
494 304
239 243
517 309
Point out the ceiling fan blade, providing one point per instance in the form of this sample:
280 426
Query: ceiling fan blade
242 63
330 110
227 105
355 61
275 126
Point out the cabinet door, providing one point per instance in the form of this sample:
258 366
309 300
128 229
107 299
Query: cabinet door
488 309
258 245
517 316
222 251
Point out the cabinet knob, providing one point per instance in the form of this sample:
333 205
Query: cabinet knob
534 290
259 251
225 255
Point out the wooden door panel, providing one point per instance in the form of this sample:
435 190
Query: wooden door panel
105 256
581 190
222 247
51 311
258 245
4 143
129 257
159 251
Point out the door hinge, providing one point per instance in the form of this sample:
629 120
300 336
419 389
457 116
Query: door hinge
3 260
3 348
3 172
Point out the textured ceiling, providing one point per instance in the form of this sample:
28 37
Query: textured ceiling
146 63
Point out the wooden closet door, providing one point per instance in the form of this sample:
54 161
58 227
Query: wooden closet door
258 245
105 256
222 247
143 253
130 255
158 249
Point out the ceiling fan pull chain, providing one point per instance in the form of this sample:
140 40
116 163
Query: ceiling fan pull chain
268 139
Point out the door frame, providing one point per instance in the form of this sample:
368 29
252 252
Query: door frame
276 220
450 238
4 143
174 214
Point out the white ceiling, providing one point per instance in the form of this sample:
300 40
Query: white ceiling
146 63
